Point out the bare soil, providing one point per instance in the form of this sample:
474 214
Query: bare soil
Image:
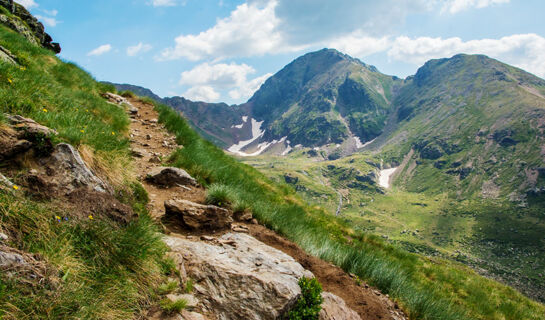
149 136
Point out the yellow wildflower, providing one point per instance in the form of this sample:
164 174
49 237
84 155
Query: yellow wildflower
82 131
91 217
44 110
113 133
15 187
57 217
10 81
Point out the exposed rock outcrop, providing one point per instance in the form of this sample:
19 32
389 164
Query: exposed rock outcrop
27 25
7 56
170 177
197 216
239 277
334 308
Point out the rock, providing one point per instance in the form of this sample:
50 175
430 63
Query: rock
238 228
245 215
188 315
70 172
3 237
5 182
155 159
197 216
290 179
254 221
8 259
335 308
29 126
138 153
247 281
148 137
28 26
170 177
11 145
7 56
114 98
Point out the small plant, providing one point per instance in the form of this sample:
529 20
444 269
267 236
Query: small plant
168 287
220 195
310 302
127 94
170 307
188 287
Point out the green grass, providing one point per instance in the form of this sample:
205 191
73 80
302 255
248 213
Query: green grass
309 304
220 195
96 269
173 306
427 288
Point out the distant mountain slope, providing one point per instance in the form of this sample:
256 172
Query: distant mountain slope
476 126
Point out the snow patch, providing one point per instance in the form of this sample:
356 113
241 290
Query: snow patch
256 134
239 126
360 145
385 176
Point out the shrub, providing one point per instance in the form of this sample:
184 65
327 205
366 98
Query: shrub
310 302
127 94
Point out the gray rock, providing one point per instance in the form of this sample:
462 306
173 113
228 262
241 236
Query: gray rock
7 56
242 278
3 237
71 172
8 259
29 126
334 308
5 181
197 216
170 177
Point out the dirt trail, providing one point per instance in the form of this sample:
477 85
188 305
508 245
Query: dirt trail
151 140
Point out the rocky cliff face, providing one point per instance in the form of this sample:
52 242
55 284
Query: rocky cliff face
17 18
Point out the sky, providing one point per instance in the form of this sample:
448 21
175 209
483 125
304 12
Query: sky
223 50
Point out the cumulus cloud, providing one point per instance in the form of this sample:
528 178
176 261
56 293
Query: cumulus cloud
526 51
139 48
48 21
251 29
207 79
455 6
358 44
202 93
100 50
27 3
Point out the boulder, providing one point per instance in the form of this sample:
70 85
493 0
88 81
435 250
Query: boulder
334 308
3 237
29 127
240 277
170 177
67 170
5 182
290 178
197 216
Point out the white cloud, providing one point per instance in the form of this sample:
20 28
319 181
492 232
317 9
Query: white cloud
526 51
220 75
207 79
100 50
245 90
358 44
27 3
455 6
202 93
51 22
139 48
51 12
250 30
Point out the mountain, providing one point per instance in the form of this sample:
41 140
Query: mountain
472 125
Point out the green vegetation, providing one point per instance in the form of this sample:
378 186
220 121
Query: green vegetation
220 195
86 268
167 287
428 288
308 305
170 307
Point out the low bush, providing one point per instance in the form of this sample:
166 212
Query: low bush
309 304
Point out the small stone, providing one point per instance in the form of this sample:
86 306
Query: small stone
148 137
3 237
254 221
207 238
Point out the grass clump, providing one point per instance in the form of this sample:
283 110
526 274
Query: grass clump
309 304
189 286
167 287
171 307
220 195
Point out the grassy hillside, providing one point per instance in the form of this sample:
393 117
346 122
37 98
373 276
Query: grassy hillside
97 269
427 287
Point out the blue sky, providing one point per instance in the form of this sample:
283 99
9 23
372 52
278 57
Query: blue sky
223 50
